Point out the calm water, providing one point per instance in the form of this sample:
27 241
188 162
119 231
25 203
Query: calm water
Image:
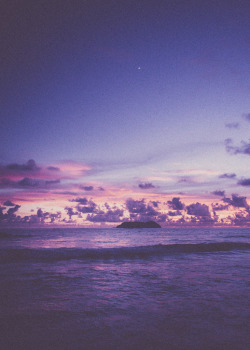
125 289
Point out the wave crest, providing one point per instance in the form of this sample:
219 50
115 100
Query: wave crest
57 254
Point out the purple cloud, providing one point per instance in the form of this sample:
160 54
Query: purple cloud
176 204
53 168
140 211
7 183
27 182
87 188
109 216
241 220
10 216
52 182
247 117
232 125
227 176
198 209
237 201
82 201
146 186
200 214
70 212
139 207
9 203
46 215
86 207
244 147
161 217
218 207
30 169
244 182
41 214
155 203
174 213
219 193
40 218
30 166
13 210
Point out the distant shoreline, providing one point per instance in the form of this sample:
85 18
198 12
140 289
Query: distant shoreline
139 224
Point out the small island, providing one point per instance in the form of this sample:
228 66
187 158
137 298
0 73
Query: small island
139 224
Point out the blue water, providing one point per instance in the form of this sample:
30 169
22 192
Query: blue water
125 289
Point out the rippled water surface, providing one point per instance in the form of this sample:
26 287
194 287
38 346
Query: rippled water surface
125 289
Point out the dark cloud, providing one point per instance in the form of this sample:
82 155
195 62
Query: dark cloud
41 214
244 182
244 147
88 207
66 192
219 193
200 214
87 188
176 204
7 183
198 209
15 169
1 210
161 217
227 176
109 216
247 117
146 186
9 216
218 206
54 216
79 200
174 213
52 182
27 182
135 206
202 220
13 210
9 204
40 218
53 168
29 166
83 201
140 207
232 125
241 220
70 212
101 188
155 203
236 201
140 211
186 179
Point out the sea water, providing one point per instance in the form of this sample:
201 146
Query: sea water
125 289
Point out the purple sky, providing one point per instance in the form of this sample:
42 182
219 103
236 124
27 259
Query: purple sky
125 110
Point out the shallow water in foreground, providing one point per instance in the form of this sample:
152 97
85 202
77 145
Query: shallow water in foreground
125 289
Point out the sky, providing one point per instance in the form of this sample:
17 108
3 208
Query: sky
129 110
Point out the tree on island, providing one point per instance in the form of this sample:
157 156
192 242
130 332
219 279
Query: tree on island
139 224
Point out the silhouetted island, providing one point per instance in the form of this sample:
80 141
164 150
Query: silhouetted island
139 224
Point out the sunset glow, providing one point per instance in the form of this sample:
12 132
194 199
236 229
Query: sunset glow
147 103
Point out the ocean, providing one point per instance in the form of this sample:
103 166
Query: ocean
175 288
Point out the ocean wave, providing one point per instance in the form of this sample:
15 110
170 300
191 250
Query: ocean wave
9 255
6 235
